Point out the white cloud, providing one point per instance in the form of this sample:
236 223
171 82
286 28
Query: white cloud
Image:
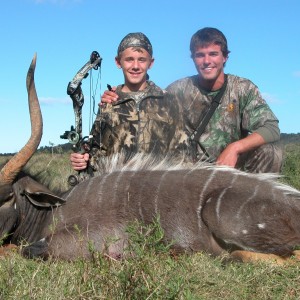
271 98
50 100
296 73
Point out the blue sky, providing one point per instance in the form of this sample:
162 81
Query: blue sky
263 37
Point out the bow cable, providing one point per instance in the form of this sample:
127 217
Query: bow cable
74 135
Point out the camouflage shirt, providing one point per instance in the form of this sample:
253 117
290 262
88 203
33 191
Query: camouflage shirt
147 121
242 111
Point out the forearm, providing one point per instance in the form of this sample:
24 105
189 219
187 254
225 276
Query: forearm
231 153
248 143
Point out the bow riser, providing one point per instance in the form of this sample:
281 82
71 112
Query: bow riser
75 92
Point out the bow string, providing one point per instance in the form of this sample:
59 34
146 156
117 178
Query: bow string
74 90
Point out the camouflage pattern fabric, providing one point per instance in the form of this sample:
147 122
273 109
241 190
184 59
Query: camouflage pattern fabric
267 158
242 111
137 40
147 121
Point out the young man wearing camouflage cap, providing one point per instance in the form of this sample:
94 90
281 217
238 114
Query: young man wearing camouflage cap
144 119
242 130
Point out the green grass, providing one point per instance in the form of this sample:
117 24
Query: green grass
291 166
150 275
152 272
50 169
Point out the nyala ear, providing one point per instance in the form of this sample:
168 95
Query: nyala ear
44 199
38 194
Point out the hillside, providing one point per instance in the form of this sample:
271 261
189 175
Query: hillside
285 139
289 138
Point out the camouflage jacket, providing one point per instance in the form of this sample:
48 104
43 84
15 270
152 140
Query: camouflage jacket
147 121
242 111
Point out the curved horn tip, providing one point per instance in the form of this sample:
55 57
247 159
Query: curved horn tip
33 62
30 73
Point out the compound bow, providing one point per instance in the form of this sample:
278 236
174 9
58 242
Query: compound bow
75 92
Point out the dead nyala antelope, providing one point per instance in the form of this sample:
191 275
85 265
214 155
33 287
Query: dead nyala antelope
201 208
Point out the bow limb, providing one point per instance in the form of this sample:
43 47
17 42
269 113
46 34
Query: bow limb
75 92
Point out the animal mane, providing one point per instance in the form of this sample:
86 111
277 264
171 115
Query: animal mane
115 163
140 161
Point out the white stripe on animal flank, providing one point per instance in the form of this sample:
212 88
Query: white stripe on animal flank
240 210
141 211
187 177
201 197
273 193
127 199
85 197
116 195
141 195
100 195
157 192
219 200
218 206
207 185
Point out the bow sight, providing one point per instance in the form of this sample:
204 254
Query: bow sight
75 92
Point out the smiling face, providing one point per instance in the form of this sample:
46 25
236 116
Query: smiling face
209 62
135 62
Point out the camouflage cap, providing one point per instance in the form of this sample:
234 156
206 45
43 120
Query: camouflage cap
136 39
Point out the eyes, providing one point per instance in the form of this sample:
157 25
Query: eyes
210 54
132 59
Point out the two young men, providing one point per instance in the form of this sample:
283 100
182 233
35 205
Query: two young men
242 129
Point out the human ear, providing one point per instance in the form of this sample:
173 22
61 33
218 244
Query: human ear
118 62
151 63
225 59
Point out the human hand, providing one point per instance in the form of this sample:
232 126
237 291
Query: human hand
231 153
229 156
79 161
109 96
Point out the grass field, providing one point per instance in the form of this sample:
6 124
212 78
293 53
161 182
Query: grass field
152 273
